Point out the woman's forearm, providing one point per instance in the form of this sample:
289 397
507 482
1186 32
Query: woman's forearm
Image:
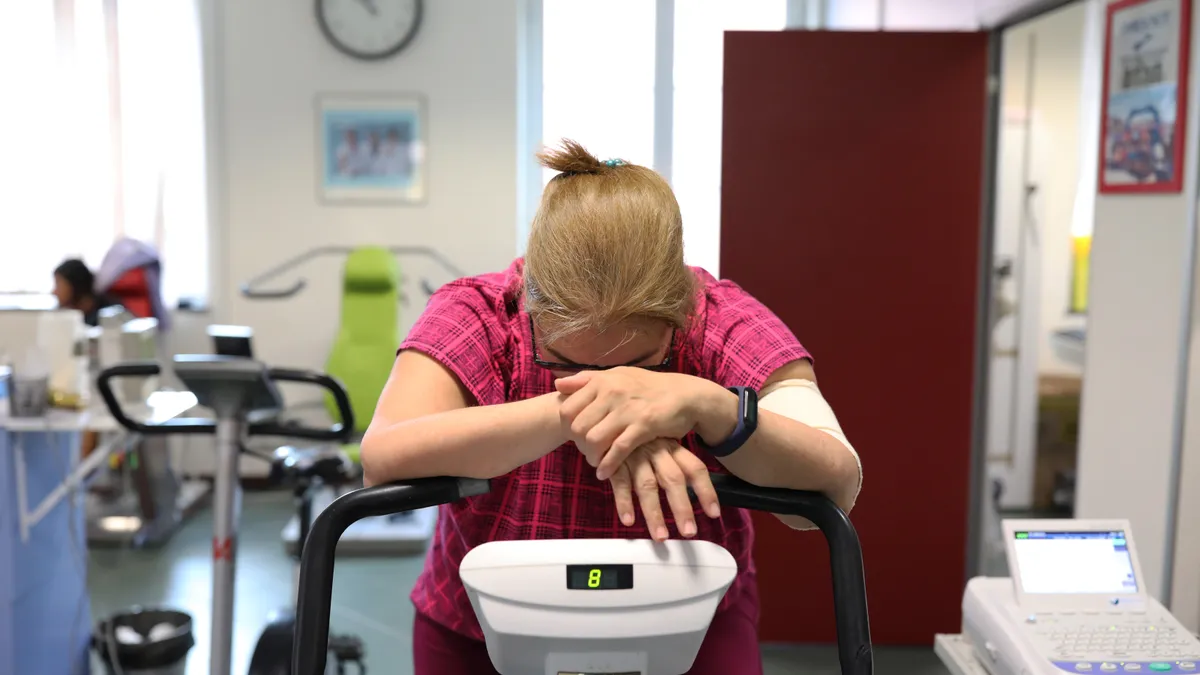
474 442
781 452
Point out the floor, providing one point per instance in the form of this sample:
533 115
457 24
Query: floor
370 597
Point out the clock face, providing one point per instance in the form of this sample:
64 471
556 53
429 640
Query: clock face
369 29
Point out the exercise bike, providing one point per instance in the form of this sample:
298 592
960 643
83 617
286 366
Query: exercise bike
243 395
549 607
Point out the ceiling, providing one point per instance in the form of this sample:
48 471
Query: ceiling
929 14
995 12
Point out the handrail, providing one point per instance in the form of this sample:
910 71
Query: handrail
315 595
250 290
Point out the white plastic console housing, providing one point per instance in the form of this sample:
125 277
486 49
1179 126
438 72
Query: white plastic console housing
535 625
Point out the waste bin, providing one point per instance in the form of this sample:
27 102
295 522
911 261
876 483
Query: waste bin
144 642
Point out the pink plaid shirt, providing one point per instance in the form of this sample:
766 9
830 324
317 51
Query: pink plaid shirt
477 328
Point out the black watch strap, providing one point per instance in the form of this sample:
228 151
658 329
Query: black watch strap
746 424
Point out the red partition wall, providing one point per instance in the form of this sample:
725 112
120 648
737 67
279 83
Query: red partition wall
851 200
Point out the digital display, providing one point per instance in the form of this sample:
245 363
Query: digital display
599 577
1075 562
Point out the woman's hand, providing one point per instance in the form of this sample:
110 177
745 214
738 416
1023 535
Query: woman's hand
611 412
663 463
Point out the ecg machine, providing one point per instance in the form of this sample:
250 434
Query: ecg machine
1076 602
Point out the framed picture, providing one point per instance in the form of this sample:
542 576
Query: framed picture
371 148
1142 130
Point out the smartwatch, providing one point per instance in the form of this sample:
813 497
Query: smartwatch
746 424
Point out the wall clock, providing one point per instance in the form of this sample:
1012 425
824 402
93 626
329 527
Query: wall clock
369 29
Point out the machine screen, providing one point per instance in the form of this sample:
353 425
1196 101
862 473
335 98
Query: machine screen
1074 562
599 577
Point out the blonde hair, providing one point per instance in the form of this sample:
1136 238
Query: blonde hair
606 246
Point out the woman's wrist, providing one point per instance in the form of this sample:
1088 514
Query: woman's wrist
549 406
714 409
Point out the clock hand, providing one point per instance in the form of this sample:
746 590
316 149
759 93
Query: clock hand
370 5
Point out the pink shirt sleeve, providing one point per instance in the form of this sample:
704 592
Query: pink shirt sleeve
744 342
462 329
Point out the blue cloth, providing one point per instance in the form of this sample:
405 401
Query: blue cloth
45 616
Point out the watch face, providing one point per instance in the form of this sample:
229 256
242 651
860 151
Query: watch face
369 29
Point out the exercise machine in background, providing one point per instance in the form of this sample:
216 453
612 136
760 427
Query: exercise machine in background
589 606
244 397
136 499
382 535
361 359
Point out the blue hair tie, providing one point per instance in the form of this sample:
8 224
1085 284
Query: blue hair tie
610 163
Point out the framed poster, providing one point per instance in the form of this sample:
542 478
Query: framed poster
1145 96
371 148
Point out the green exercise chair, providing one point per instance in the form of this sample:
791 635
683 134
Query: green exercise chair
361 358
366 342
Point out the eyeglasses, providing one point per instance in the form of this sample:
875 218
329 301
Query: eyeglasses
576 367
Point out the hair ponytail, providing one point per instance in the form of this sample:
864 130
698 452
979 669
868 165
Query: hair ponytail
606 246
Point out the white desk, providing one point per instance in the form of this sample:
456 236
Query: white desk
160 407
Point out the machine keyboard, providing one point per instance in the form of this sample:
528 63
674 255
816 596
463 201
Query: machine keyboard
1121 641
1117 643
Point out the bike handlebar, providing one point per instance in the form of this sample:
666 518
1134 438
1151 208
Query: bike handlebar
311 641
178 425
340 431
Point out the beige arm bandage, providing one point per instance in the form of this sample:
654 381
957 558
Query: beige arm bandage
801 400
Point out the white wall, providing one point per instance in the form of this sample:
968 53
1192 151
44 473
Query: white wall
266 62
1134 368
272 63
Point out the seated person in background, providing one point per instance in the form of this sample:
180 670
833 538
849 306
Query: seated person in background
73 286
590 372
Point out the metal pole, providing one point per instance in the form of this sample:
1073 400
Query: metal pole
983 303
529 116
1186 317
1025 230
664 86
227 507
22 488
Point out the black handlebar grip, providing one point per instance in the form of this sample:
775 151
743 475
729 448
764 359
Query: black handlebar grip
845 558
310 645
178 425
340 432
133 369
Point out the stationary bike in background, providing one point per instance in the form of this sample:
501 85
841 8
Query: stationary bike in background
361 357
245 399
